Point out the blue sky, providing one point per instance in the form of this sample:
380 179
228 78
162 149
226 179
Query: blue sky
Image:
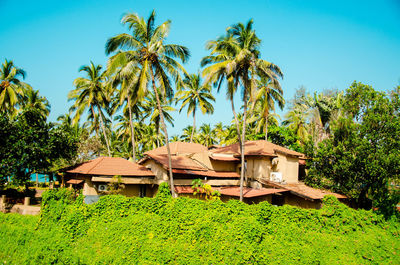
317 44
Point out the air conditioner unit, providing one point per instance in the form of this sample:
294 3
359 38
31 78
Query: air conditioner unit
276 177
102 187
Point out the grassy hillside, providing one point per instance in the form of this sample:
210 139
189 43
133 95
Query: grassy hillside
187 231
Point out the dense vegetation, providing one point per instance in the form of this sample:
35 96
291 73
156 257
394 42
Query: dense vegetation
350 136
188 231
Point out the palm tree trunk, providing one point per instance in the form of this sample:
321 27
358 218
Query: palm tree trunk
236 121
242 171
266 125
132 130
171 179
104 131
194 125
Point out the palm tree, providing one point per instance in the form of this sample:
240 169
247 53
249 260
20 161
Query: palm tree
150 139
195 94
188 133
268 93
32 99
151 111
123 71
206 136
90 93
11 87
155 59
238 58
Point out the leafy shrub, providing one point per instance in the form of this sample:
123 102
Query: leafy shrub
162 230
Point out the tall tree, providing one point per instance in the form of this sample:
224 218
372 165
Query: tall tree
123 70
268 93
238 57
156 59
193 95
90 93
11 87
32 99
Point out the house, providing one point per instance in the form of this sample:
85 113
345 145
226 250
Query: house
271 173
94 175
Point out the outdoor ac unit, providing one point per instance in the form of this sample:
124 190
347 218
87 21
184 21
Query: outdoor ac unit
276 177
102 187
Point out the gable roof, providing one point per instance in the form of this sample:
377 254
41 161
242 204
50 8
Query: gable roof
178 148
177 162
109 166
256 148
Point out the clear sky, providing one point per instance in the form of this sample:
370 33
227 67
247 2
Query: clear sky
317 44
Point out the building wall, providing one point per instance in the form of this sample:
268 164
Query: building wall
289 167
258 167
88 187
225 166
159 172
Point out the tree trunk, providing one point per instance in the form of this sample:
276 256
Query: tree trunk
266 125
242 171
171 179
132 130
237 122
104 131
194 125
37 179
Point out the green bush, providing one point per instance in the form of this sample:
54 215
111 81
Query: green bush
159 230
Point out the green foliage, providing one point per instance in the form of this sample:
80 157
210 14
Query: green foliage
199 188
29 144
362 158
160 230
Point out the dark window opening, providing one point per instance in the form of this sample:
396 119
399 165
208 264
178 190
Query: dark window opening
277 200
142 190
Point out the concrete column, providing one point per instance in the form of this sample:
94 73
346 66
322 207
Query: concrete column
27 201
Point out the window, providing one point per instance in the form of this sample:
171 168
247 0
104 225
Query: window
142 190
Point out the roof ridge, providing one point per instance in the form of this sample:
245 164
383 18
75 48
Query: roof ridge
95 165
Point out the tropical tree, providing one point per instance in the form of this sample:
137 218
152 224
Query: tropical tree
150 110
32 99
90 93
237 57
156 60
123 70
194 94
268 93
11 87
206 135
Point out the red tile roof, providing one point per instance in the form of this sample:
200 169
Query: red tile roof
179 148
224 158
256 148
110 166
209 173
75 181
178 162
249 192
183 189
302 190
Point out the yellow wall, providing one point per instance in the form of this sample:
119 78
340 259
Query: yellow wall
258 167
289 167
88 187
159 172
223 165
294 200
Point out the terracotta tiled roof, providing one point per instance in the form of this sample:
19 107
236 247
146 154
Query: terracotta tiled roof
110 166
224 158
75 181
178 148
249 192
178 162
302 190
254 148
209 173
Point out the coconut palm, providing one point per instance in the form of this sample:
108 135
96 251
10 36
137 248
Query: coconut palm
237 58
156 60
206 135
268 93
150 139
188 134
90 93
32 99
194 94
123 71
11 87
150 110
